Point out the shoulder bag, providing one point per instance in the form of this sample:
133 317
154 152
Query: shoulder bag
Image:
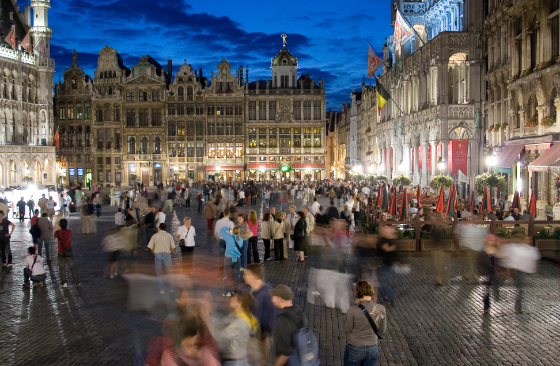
370 320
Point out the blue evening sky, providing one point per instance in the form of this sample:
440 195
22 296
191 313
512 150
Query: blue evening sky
329 37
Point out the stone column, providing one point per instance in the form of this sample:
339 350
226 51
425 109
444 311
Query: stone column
415 164
393 162
425 177
434 157
405 160
444 154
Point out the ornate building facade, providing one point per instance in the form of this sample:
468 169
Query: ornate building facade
523 80
26 105
436 82
146 127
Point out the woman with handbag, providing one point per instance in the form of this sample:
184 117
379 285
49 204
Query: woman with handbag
300 236
278 237
364 324
65 255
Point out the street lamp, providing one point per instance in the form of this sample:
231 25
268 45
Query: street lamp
441 165
358 169
490 161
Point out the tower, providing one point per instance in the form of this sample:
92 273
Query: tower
40 28
284 68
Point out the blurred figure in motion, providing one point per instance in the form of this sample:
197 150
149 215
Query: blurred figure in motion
472 235
235 335
192 349
440 255
162 246
263 310
362 338
232 262
387 251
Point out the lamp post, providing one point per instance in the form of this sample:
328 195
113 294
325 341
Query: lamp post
441 166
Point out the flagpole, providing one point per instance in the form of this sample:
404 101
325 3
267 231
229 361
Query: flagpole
382 60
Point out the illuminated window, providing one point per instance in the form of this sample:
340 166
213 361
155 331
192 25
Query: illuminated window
221 152
272 137
181 150
238 149
262 137
307 137
212 150
229 150
180 128
252 137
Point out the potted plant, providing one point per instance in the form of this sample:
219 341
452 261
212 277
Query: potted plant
405 241
491 128
533 121
504 126
401 179
491 180
548 241
549 120
440 180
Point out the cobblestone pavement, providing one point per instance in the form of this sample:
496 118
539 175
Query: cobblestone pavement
428 325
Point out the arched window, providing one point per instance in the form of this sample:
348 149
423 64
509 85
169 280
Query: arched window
534 43
189 93
131 145
157 145
144 145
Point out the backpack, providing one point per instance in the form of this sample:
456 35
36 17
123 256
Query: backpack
306 347
35 231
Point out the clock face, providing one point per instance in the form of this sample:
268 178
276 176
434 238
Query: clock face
171 93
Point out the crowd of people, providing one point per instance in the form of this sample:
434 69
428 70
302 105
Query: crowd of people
254 321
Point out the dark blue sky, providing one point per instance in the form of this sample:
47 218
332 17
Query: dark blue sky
329 37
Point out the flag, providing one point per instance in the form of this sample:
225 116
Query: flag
373 62
439 205
402 31
532 205
57 137
515 202
379 196
382 95
26 43
451 202
11 37
404 207
486 201
41 48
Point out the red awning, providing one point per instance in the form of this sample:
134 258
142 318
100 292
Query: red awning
548 158
305 166
543 146
224 167
509 156
265 166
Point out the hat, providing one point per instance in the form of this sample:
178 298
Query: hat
282 291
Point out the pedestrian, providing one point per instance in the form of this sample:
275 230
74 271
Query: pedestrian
292 219
387 250
51 204
97 201
233 337
162 246
223 222
252 247
160 216
120 218
263 310
35 231
315 206
21 208
186 234
65 255
5 237
287 234
210 213
472 236
88 225
34 269
300 236
291 318
266 231
42 203
441 256
46 230
31 206
364 324
245 234
199 200
278 237
232 264
332 212
149 221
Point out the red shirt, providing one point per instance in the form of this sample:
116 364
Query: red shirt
63 237
34 220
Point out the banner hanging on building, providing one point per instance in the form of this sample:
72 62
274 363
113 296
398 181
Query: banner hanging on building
11 37
26 43
41 48
373 62
402 31
458 153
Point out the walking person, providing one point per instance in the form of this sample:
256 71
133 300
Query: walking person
5 236
46 229
278 237
364 324
287 233
223 222
266 231
35 231
387 249
97 201
245 234
210 213
65 255
186 234
88 225
31 206
300 236
51 204
162 246
292 219
252 247
232 264
21 208
149 220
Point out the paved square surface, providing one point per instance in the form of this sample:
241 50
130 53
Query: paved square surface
428 325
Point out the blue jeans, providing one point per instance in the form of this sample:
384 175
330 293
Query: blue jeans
27 276
222 246
148 233
361 355
231 274
162 261
46 243
244 253
386 280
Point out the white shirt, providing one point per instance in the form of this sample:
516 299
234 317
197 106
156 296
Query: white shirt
119 219
315 208
521 257
223 222
187 234
160 218
38 269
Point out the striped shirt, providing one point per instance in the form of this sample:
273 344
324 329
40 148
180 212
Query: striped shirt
162 242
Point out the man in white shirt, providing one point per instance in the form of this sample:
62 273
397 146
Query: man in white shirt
187 234
119 218
34 269
160 217
315 207
162 246
223 222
